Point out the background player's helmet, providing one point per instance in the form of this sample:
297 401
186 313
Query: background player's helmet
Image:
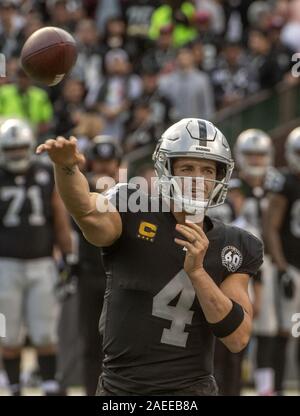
292 150
253 142
192 137
104 147
17 144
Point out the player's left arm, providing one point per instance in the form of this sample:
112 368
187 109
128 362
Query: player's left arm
235 288
217 305
62 225
227 308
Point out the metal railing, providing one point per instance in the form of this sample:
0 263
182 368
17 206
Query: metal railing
268 110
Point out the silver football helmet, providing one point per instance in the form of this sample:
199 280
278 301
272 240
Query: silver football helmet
292 150
193 137
17 144
250 142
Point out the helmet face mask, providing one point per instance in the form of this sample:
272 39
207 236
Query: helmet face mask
193 138
254 153
292 150
17 144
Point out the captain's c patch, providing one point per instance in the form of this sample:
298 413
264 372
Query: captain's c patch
147 231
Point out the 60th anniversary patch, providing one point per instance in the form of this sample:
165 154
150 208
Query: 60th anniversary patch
232 258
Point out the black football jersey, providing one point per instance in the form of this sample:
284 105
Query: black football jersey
252 208
289 187
156 338
26 223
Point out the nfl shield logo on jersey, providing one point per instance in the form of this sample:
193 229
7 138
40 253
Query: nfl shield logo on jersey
231 258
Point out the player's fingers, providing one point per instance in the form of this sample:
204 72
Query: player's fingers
40 149
186 244
61 139
72 140
194 243
49 143
190 234
59 145
195 227
198 229
48 148
199 244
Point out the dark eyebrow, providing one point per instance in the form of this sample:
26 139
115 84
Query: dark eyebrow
190 165
210 167
186 165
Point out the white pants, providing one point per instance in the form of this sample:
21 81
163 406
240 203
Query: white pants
286 308
27 300
266 323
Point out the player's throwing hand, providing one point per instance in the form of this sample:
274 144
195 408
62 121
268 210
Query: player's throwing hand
196 244
62 151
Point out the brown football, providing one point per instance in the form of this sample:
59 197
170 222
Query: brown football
48 55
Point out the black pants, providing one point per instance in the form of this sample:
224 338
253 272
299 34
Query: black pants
91 292
205 387
228 370
265 351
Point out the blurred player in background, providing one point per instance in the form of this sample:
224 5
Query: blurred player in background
255 156
103 159
244 208
283 232
32 220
